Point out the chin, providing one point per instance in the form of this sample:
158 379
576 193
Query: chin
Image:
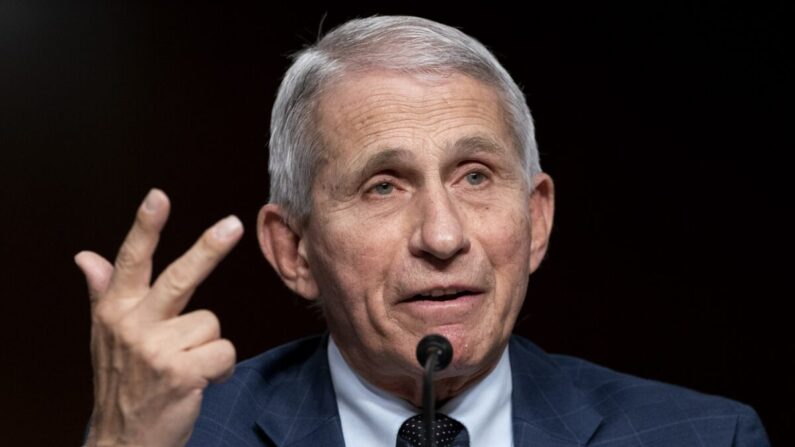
471 354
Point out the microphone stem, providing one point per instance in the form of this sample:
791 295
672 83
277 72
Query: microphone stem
429 399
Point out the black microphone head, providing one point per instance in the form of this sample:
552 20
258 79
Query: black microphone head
437 342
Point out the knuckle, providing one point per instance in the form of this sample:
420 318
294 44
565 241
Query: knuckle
128 256
143 220
103 315
127 331
226 352
210 322
177 376
173 375
209 244
151 353
178 279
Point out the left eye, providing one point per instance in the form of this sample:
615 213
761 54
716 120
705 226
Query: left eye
475 178
383 188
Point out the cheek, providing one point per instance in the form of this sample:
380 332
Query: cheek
356 258
353 270
506 243
505 236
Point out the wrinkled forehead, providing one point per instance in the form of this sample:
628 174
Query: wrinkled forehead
367 111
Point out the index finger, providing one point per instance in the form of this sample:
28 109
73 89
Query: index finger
133 265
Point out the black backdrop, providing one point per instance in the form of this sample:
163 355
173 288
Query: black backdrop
663 127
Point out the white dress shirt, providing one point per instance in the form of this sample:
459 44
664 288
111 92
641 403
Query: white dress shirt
372 417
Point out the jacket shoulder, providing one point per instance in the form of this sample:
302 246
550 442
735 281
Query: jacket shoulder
653 412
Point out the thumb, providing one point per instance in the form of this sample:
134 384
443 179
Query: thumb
97 270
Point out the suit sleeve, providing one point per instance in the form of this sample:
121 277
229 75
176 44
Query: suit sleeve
750 431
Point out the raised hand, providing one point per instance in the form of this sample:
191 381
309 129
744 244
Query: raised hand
151 364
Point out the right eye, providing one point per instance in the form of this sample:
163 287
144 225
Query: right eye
383 188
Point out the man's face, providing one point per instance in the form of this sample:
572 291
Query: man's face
420 222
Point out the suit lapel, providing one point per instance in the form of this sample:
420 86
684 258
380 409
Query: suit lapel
302 408
548 410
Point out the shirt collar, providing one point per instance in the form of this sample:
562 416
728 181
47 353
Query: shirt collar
369 415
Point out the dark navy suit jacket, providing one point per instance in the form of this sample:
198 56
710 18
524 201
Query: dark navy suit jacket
284 397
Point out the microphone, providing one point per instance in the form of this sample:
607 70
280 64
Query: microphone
434 352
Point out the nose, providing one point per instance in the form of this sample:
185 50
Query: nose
440 232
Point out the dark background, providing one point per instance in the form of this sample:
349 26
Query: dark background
663 126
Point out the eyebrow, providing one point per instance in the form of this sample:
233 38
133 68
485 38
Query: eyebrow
388 157
384 159
473 144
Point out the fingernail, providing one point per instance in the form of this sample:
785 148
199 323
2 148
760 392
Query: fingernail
152 201
227 227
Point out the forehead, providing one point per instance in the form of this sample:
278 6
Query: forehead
373 110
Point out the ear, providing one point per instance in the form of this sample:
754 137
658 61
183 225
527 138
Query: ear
542 209
285 249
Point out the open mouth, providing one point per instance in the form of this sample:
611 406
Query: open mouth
440 296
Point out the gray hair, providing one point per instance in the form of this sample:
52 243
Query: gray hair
404 44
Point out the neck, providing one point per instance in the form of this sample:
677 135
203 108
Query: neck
408 385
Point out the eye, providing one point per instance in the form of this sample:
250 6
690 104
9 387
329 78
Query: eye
475 178
383 188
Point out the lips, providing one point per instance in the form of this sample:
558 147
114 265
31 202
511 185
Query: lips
441 293
441 306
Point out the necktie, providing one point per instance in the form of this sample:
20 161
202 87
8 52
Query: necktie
449 432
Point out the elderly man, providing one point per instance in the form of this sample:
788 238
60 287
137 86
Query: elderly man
406 199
